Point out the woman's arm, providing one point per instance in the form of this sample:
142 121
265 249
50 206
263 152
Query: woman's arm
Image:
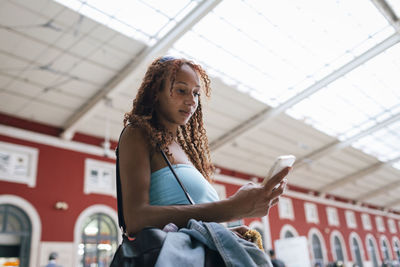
135 169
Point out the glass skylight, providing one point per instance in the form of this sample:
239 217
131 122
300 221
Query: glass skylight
383 144
143 20
275 49
358 101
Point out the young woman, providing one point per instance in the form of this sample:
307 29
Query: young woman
167 115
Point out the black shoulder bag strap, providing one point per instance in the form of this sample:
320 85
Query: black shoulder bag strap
121 220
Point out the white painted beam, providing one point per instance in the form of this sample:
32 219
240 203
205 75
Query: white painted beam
353 177
350 178
337 145
127 75
383 189
269 113
388 13
393 204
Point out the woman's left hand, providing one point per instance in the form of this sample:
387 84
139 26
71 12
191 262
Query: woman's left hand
240 230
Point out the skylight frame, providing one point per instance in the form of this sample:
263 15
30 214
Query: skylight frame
278 90
118 17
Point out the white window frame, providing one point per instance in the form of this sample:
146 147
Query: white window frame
336 233
366 221
98 208
286 228
311 212
285 208
32 156
380 226
395 240
392 226
350 219
321 238
36 224
332 216
376 248
382 239
360 246
89 188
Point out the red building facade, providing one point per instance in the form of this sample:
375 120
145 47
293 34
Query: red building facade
66 191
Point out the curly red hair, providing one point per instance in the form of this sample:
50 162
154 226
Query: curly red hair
192 136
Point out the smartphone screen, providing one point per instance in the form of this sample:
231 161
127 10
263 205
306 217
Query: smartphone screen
280 163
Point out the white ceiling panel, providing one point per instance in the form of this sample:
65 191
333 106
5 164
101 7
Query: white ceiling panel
217 118
10 65
10 40
12 15
62 100
36 75
85 47
10 103
63 63
241 164
269 142
236 98
92 72
29 50
97 127
45 7
110 57
123 101
44 113
231 108
213 132
355 157
4 80
103 33
79 25
79 88
127 45
305 142
22 88
68 39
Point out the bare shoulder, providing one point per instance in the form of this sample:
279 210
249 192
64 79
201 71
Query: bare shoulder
134 143
133 136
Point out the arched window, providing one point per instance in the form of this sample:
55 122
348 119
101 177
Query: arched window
289 234
288 231
385 251
15 235
396 249
317 249
99 241
372 252
338 248
356 251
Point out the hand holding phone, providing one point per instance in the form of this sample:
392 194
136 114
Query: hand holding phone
280 163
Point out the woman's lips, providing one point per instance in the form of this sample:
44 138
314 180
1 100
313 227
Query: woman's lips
186 113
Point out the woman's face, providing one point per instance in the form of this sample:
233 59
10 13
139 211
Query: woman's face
175 107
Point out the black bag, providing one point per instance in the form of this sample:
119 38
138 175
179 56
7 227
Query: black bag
143 251
144 248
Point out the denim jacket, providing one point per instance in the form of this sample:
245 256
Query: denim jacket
186 247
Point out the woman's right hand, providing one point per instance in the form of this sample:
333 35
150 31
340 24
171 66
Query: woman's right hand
253 200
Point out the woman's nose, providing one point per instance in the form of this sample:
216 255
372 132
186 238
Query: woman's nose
190 100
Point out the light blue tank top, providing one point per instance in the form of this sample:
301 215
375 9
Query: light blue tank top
165 189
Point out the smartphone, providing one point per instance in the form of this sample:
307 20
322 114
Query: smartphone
280 163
